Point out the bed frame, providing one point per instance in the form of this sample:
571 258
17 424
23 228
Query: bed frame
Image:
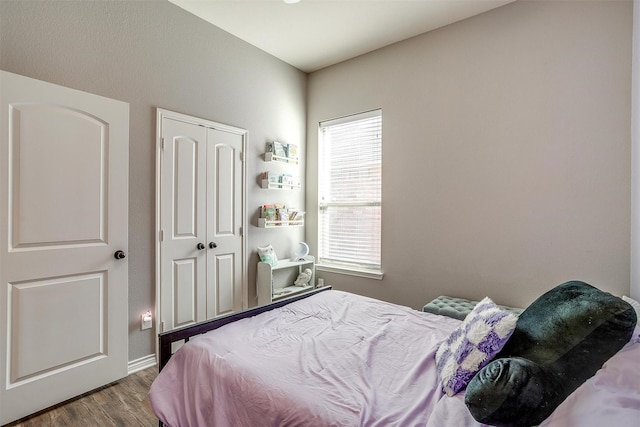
166 339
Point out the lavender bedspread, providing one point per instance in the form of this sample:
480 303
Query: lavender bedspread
333 359
338 359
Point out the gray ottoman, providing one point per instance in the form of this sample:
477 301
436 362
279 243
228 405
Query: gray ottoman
458 308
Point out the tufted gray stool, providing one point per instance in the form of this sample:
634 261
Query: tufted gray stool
458 308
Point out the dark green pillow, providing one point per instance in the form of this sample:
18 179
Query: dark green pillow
560 341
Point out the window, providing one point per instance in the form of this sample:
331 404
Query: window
350 194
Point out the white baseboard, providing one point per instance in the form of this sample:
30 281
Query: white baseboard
142 363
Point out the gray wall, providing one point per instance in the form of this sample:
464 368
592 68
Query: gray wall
154 54
506 152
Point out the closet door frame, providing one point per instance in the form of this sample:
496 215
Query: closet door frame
166 114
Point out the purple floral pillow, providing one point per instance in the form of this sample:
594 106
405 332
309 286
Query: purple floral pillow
473 344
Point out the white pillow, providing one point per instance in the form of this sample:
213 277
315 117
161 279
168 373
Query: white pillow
268 255
473 344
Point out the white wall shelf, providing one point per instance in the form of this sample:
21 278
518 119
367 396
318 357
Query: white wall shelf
265 223
279 185
268 218
270 157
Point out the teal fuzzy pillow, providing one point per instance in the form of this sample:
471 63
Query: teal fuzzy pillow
560 341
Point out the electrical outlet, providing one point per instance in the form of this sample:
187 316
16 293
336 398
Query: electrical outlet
146 321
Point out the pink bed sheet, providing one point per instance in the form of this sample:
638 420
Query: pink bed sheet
333 359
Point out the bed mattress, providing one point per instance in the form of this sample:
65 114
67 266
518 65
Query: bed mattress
334 359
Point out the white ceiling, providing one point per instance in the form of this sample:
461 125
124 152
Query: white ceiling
314 34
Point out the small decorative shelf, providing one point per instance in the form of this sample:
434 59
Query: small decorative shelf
265 223
275 282
279 185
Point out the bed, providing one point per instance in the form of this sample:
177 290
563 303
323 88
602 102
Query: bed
331 358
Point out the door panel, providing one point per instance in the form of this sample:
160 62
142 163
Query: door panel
183 299
224 222
47 193
184 292
64 162
224 184
225 296
36 325
185 164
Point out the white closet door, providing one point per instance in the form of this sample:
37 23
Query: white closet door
183 266
202 185
63 216
224 229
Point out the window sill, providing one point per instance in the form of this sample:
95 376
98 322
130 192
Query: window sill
351 271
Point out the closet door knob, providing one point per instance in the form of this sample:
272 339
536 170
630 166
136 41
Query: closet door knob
119 255
200 246
212 245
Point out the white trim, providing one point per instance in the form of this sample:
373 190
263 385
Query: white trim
635 154
352 117
351 271
142 363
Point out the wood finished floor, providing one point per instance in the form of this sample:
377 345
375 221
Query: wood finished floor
123 403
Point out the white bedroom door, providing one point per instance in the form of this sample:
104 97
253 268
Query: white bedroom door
63 231
201 243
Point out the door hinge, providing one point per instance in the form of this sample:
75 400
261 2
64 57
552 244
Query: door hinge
161 235
242 156
162 326
241 231
162 143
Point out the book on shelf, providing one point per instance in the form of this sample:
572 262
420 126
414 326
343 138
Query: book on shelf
277 148
282 215
286 179
268 212
296 215
273 212
270 147
291 151
270 177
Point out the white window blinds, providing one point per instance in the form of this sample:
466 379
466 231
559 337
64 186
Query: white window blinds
350 191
